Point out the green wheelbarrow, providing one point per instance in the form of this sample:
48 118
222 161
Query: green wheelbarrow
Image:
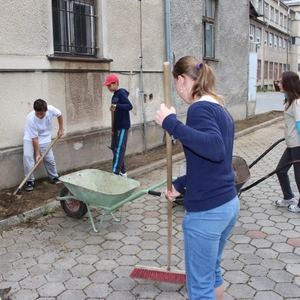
101 189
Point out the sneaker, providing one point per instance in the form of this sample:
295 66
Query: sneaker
55 180
282 202
123 174
29 185
294 208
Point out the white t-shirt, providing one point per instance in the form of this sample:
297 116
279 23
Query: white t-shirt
40 128
291 116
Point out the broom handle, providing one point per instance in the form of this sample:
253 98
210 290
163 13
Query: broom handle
167 89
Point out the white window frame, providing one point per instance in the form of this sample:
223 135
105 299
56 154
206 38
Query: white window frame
208 23
271 37
258 35
266 34
266 10
275 41
280 43
276 16
271 13
259 6
251 32
285 21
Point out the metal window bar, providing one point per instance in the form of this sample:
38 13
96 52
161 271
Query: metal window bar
74 27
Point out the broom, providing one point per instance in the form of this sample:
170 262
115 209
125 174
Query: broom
152 273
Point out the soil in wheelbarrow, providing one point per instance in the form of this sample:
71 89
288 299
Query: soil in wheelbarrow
45 192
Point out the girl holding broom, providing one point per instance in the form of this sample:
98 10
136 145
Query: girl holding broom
211 200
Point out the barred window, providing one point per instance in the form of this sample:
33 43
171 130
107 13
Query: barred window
74 27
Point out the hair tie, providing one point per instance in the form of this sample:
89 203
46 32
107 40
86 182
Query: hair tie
198 66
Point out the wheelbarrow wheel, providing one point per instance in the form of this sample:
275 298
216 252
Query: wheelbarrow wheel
73 208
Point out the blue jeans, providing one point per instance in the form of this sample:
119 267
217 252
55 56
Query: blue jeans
205 235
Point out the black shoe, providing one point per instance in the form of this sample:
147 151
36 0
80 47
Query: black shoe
55 180
29 185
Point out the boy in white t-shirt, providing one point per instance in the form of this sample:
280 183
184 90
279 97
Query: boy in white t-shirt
37 138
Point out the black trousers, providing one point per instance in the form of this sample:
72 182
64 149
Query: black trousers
119 144
289 155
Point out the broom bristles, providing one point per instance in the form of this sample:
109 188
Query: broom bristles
158 274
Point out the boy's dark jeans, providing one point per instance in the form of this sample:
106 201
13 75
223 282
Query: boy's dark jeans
119 148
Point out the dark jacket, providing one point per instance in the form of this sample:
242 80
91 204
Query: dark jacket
208 146
122 117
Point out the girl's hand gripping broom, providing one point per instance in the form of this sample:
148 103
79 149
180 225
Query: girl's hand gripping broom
152 273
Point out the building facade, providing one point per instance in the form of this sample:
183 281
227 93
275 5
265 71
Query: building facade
269 34
62 51
274 35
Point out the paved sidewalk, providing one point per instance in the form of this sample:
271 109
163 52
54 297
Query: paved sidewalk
62 258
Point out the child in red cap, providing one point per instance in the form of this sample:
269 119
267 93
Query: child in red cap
120 107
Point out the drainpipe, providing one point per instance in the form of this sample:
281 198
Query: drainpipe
141 83
168 40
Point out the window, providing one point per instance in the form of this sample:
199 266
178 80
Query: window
295 40
280 68
272 13
251 33
280 43
275 41
281 19
270 70
271 40
285 21
208 21
266 38
258 7
74 27
276 73
276 16
258 69
266 70
258 35
266 10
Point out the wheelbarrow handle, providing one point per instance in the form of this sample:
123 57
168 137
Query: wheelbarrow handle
266 152
154 193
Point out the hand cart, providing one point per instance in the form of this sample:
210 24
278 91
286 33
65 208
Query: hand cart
101 189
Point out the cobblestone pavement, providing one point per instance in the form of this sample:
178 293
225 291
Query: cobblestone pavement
63 258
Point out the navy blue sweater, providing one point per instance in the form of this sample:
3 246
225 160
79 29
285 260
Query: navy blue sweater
122 117
207 140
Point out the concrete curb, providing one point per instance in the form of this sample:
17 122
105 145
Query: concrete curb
160 163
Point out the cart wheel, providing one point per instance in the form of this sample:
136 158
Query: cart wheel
73 208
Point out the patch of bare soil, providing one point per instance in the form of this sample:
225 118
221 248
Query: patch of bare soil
45 192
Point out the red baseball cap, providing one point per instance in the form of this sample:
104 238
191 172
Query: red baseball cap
111 79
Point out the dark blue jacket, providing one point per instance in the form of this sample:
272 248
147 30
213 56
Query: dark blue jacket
122 117
207 140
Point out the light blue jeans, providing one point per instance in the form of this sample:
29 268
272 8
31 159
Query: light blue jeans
29 159
205 235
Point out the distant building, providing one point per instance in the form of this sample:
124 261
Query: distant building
274 35
270 37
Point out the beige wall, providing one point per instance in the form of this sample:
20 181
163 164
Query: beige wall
75 87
